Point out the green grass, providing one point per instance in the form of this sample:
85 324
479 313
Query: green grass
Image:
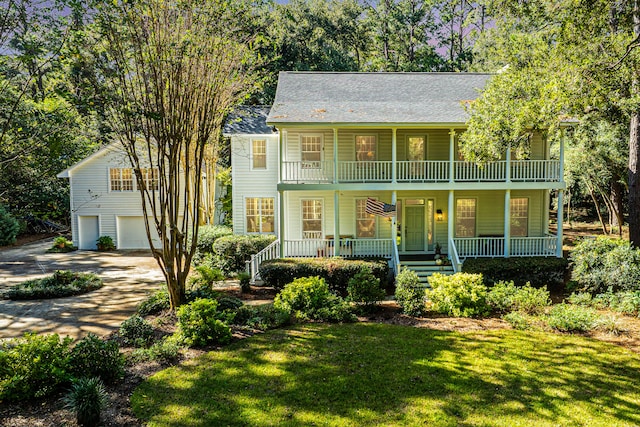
376 374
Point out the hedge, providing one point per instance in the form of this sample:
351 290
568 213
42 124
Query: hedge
230 253
335 271
539 271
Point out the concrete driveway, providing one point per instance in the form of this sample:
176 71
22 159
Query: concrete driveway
129 276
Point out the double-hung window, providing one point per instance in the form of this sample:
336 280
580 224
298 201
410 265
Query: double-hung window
150 178
365 222
259 154
312 219
519 217
260 214
121 179
311 151
366 148
465 217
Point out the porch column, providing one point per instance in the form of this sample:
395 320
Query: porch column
281 225
394 156
394 202
452 153
450 223
335 155
559 221
507 172
562 137
280 156
507 223
336 223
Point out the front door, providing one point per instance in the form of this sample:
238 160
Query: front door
414 226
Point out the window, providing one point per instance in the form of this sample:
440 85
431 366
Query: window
465 217
260 215
150 178
259 153
519 217
365 148
311 151
365 222
121 179
312 219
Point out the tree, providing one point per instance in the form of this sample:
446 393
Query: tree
178 68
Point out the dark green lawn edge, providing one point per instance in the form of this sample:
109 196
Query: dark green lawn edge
39 289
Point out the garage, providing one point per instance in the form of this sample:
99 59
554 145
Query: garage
88 232
131 233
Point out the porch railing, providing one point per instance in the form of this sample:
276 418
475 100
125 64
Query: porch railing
270 252
469 171
348 247
369 171
535 170
478 247
423 171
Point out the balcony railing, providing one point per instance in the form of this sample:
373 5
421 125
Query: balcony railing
478 247
321 172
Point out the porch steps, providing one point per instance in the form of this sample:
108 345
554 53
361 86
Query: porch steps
425 268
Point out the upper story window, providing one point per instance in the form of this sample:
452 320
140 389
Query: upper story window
519 217
260 214
311 151
312 219
121 179
259 154
366 148
365 222
465 217
150 177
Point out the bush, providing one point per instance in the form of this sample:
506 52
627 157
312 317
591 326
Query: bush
572 318
605 264
61 244
538 271
33 366
623 302
136 331
335 271
166 350
94 357
410 295
86 399
504 297
105 243
518 320
199 324
9 227
207 235
308 298
261 317
461 294
155 303
205 276
60 284
245 282
232 252
364 288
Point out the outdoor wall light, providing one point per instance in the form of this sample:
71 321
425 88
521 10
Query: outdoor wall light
439 215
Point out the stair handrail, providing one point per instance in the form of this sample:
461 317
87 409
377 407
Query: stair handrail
396 258
272 251
455 258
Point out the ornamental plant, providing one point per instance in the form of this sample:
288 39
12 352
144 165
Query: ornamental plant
460 295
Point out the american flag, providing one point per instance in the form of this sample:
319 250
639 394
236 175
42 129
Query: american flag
376 207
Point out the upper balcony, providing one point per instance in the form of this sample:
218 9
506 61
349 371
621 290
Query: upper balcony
419 171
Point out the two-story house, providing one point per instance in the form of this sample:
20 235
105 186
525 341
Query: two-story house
346 138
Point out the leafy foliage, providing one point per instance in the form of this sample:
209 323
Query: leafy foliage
364 288
136 331
62 283
335 271
207 235
9 227
572 318
261 317
410 294
199 324
154 304
232 252
33 366
94 357
105 243
505 297
87 398
538 271
461 294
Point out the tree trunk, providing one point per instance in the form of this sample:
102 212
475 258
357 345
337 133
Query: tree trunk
617 195
634 178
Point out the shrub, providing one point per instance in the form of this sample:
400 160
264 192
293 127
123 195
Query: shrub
581 298
61 244
308 298
232 252
538 271
518 320
623 302
364 288
261 317
572 318
9 227
604 264
461 294
93 357
33 366
60 284
166 350
86 399
245 282
504 297
410 295
136 331
155 303
199 324
205 276
207 235
105 243
335 271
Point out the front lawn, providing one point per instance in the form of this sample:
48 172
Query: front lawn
377 374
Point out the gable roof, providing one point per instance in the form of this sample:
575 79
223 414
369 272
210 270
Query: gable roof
359 98
99 153
248 120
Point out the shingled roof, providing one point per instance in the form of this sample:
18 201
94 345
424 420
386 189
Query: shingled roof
248 120
352 98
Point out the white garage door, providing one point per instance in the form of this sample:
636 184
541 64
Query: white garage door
88 232
132 233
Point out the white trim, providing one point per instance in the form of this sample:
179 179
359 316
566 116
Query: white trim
355 151
475 219
414 135
511 199
244 212
301 135
266 154
355 219
322 220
